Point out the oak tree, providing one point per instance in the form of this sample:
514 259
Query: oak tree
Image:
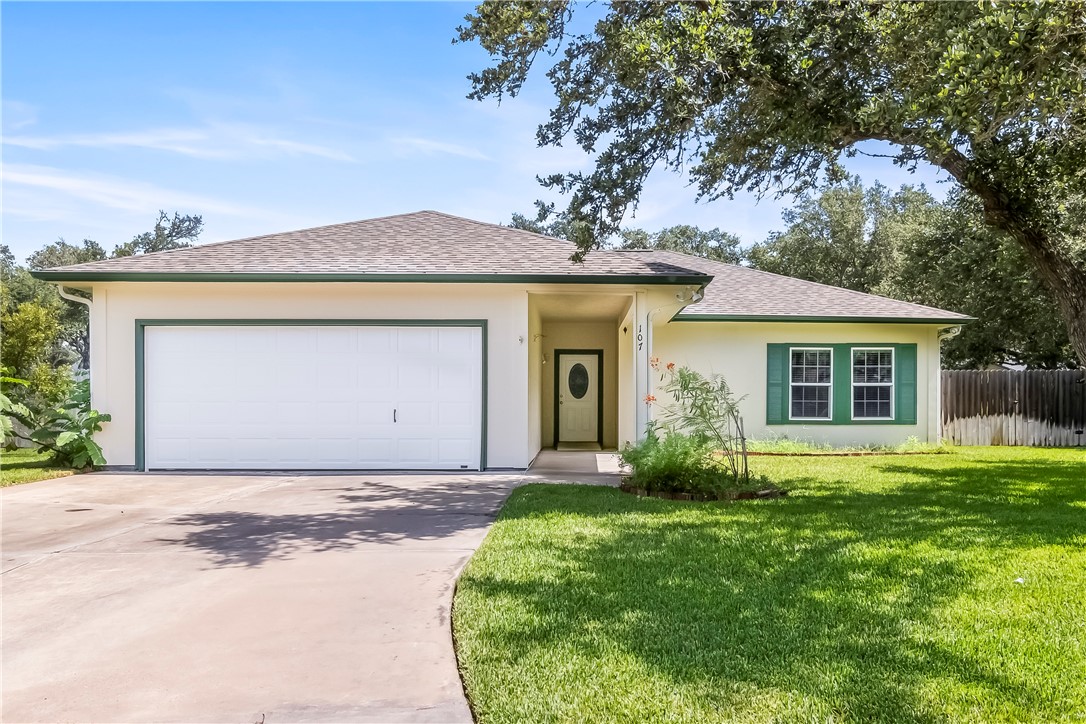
769 96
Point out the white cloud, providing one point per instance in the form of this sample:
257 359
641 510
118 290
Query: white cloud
213 141
19 115
132 196
430 146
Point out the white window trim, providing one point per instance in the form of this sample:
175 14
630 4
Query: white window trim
853 385
829 417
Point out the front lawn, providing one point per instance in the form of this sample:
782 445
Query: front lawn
883 589
27 466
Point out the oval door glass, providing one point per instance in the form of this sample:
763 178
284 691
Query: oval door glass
578 381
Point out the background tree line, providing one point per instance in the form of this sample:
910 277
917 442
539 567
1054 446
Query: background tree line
902 244
43 335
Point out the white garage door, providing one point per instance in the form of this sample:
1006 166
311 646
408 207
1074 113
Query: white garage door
313 397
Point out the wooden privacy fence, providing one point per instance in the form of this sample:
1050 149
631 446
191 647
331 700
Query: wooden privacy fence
1007 407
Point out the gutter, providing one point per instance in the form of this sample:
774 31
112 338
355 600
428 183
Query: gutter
957 321
60 276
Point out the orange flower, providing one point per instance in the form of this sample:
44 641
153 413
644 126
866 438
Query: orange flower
670 366
654 362
649 399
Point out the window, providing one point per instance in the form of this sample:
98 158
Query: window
811 382
872 384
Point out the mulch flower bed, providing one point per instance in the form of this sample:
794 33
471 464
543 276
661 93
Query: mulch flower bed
704 497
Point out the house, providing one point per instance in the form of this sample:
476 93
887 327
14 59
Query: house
428 341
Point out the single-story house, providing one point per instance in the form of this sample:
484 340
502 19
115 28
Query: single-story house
428 341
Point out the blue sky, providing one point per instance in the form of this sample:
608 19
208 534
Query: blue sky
269 117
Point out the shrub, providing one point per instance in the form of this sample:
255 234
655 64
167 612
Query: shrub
65 430
705 409
675 462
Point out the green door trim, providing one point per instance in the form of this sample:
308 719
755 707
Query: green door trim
599 389
143 324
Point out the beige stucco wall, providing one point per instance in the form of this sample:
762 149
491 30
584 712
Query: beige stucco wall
505 307
520 409
627 388
535 380
737 350
582 335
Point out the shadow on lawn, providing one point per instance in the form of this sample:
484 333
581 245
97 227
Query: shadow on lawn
340 518
828 596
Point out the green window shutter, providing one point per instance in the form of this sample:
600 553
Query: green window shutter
842 383
905 384
776 391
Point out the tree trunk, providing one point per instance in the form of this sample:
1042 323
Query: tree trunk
1066 280
1064 276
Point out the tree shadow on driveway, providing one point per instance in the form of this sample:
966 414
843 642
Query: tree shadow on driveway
340 518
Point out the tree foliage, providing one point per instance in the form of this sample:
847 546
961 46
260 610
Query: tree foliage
711 244
907 246
835 237
169 233
40 326
768 96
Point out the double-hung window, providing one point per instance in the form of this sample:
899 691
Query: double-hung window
811 383
872 383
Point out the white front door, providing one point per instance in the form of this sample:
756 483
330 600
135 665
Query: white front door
313 397
578 397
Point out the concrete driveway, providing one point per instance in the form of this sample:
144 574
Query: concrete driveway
237 598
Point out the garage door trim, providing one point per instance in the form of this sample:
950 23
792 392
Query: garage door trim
142 324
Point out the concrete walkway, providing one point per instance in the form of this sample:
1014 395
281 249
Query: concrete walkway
237 598
567 466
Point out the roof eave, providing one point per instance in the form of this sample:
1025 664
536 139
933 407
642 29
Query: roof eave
91 276
819 319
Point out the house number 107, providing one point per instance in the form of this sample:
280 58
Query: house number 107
640 338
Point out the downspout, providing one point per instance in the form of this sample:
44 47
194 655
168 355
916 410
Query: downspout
72 297
943 336
949 333
81 300
695 296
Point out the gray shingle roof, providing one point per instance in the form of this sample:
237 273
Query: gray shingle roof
738 292
432 246
424 243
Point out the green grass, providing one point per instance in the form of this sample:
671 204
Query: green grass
27 466
882 589
789 446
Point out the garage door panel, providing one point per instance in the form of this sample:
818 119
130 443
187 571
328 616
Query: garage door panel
336 450
418 340
214 449
251 412
415 451
173 448
312 397
337 414
415 413
451 342
252 451
376 340
337 340
380 451
292 341
455 452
